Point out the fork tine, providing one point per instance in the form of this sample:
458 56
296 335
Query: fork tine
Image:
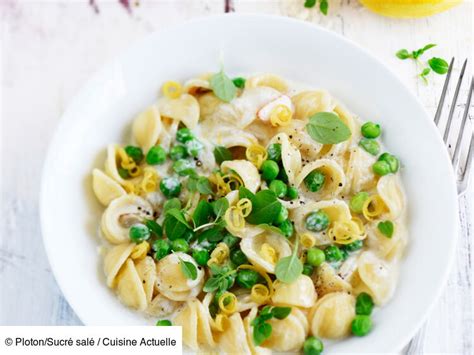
439 110
453 104
457 149
469 158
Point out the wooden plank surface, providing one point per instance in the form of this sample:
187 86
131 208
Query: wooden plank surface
48 50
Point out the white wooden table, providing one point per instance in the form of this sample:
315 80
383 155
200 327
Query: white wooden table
49 49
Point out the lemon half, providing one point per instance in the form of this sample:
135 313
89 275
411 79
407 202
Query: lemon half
409 8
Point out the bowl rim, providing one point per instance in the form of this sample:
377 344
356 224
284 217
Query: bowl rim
63 122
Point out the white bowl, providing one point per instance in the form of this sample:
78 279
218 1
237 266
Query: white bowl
102 112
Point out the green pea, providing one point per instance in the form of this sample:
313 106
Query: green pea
124 174
138 233
361 325
357 201
183 135
315 256
136 153
178 152
193 147
287 228
170 187
239 82
164 323
279 188
313 346
345 253
156 155
238 257
381 168
308 269
370 146
201 256
231 240
180 244
370 130
162 248
364 304
292 193
314 181
269 170
333 253
391 160
358 244
247 278
183 167
274 152
317 221
282 216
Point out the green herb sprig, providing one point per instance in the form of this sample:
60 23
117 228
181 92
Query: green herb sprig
327 128
289 268
435 64
223 278
188 269
323 5
223 87
263 330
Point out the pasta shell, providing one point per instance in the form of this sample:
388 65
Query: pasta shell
288 334
255 350
229 137
129 287
196 86
105 188
391 192
111 167
208 104
244 302
146 269
171 281
250 102
249 230
300 293
360 175
387 248
335 179
332 315
162 307
301 140
121 214
269 80
337 210
114 259
252 249
328 281
187 318
290 156
147 127
307 103
232 339
375 277
247 172
184 109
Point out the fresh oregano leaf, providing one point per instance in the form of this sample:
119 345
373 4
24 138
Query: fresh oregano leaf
327 128
281 312
386 228
290 267
188 269
222 154
439 65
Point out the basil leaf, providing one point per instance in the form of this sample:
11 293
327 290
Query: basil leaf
261 332
386 228
428 46
173 203
425 72
327 128
222 154
439 65
323 6
246 193
188 269
290 267
204 186
154 227
265 208
309 3
175 224
239 82
220 206
281 312
212 235
202 213
419 52
403 54
222 86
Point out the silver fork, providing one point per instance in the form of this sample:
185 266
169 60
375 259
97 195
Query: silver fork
462 170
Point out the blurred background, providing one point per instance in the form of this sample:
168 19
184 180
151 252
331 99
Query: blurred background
50 48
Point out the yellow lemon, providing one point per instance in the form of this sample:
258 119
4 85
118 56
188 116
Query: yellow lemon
409 8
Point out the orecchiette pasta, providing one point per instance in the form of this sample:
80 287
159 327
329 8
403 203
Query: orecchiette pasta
253 214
